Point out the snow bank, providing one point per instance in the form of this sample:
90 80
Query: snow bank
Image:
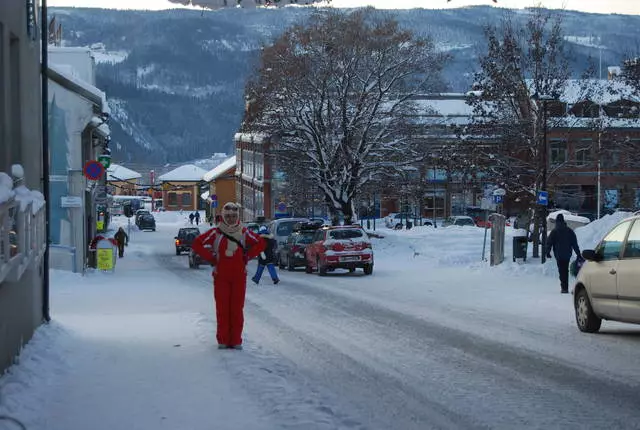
21 193
568 216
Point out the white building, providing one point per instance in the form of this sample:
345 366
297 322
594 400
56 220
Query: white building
78 133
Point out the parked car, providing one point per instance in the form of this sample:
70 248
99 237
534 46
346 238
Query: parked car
459 220
281 229
346 247
399 220
146 222
138 214
194 260
184 239
292 252
608 284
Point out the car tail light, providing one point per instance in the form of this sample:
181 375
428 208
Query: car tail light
338 247
296 248
367 245
177 241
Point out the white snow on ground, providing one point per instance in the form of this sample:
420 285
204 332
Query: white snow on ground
135 348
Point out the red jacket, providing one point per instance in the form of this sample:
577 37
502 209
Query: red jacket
204 245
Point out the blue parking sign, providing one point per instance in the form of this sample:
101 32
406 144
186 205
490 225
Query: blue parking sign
214 204
497 199
543 198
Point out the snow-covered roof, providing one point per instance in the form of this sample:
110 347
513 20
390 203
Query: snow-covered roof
117 172
616 70
67 72
219 170
187 173
251 137
597 90
447 107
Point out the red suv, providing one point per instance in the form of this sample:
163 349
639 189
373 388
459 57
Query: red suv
346 247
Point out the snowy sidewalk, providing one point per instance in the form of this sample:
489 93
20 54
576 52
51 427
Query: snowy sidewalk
126 350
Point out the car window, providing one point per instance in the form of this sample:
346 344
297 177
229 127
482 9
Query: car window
305 238
611 245
465 221
285 228
632 248
345 234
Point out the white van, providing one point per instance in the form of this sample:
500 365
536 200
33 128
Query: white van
281 229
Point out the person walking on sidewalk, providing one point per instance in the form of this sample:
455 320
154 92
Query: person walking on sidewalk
267 257
228 247
196 217
563 241
123 240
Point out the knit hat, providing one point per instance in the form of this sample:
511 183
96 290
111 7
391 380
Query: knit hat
560 218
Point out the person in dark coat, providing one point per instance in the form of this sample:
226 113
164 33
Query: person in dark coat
563 241
191 217
197 218
123 240
267 257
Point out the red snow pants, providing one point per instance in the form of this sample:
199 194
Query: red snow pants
229 292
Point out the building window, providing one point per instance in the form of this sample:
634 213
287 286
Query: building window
611 159
583 152
186 199
558 151
172 198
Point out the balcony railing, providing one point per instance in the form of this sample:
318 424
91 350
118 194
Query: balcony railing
22 230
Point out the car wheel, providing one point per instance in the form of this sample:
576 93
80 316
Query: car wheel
322 271
177 251
368 269
352 269
307 267
290 266
190 263
586 319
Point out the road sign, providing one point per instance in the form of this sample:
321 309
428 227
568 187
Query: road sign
214 204
497 199
70 202
93 170
543 198
281 207
499 192
214 197
487 204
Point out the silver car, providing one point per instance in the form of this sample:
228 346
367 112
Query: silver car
608 285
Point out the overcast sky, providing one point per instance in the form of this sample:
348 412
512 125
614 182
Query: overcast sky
597 6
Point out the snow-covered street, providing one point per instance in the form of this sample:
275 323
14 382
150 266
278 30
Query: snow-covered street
435 338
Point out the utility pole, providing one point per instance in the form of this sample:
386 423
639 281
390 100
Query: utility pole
543 257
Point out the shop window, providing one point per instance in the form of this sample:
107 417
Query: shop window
186 199
172 199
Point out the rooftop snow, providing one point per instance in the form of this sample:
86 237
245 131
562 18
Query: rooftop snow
117 172
220 169
188 173
67 73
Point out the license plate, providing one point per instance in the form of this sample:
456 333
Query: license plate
350 258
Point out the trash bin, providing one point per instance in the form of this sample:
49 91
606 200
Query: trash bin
520 247
409 225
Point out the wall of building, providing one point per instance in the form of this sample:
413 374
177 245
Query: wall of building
80 59
180 188
69 115
20 143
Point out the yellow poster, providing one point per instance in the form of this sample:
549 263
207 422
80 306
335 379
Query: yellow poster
100 225
105 259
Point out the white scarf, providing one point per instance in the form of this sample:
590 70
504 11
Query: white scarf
234 231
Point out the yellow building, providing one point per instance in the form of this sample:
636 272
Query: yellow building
222 185
122 181
181 188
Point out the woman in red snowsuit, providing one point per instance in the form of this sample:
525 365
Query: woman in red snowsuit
228 247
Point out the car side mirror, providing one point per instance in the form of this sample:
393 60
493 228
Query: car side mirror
591 255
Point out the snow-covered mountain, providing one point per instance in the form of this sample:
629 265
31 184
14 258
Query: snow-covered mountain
175 78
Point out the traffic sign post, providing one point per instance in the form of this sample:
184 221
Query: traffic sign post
93 170
543 198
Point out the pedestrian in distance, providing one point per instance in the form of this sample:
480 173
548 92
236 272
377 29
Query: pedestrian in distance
563 241
267 257
123 240
228 247
191 217
197 218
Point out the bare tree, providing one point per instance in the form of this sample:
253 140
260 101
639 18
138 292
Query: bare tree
523 68
339 92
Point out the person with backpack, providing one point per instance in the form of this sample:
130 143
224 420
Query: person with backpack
563 241
267 257
228 247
